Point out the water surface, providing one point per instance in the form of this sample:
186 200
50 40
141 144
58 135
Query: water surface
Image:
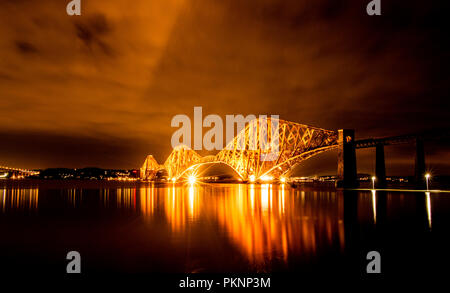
142 228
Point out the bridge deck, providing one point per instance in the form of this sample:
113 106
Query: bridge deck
400 139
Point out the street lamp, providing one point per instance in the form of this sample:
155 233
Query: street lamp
373 181
427 177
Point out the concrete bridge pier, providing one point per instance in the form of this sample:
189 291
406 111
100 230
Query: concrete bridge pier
380 167
419 168
346 159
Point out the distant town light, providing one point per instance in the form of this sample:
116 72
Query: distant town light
283 179
373 181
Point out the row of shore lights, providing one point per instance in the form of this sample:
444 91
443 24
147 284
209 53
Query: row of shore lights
265 178
192 179
427 178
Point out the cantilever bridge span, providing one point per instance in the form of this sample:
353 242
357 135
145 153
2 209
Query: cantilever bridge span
258 150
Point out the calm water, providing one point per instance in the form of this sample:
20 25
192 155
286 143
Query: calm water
141 228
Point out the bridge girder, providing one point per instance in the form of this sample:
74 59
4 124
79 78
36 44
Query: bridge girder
149 168
281 145
181 158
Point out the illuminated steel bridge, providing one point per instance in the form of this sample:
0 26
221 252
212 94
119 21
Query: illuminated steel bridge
265 148
8 172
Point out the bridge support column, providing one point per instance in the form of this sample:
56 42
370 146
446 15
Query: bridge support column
380 167
419 168
346 159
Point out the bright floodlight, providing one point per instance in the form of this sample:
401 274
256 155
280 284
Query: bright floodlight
252 178
373 178
174 179
192 179
283 180
266 178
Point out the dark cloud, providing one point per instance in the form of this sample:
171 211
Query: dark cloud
24 47
92 30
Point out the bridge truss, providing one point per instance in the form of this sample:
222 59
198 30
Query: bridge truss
265 147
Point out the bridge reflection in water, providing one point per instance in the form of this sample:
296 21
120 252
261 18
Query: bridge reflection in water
216 227
262 221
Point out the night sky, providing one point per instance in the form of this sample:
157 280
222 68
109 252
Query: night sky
101 89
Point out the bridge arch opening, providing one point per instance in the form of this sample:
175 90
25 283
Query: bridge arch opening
212 170
321 164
